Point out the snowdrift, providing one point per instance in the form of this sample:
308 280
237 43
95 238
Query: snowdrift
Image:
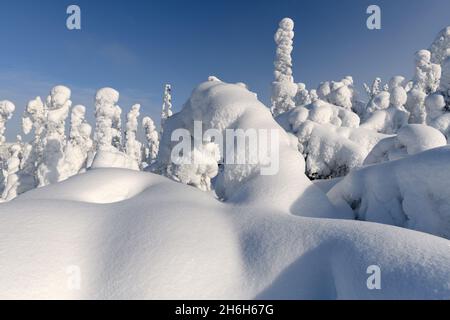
412 192
136 235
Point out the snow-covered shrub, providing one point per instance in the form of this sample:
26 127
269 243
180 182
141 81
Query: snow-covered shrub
51 167
410 139
152 146
132 145
166 110
438 116
412 192
197 167
107 116
6 111
79 144
283 88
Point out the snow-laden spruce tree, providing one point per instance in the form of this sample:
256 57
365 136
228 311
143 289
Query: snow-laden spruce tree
152 146
79 144
6 111
283 88
107 120
51 168
132 145
166 110
440 48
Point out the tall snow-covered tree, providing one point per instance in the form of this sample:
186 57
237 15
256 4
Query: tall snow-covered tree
152 146
166 110
107 116
6 111
50 169
132 145
79 144
283 88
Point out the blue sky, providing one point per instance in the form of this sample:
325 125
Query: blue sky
136 46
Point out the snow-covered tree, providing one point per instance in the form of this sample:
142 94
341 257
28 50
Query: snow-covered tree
444 88
166 110
79 144
51 167
427 74
302 98
374 89
107 116
283 88
132 145
6 111
440 48
340 93
152 147
10 169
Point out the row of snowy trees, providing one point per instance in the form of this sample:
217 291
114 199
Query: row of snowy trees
336 129
51 156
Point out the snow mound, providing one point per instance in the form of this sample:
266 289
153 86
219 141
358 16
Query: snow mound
171 241
411 139
224 106
113 158
412 192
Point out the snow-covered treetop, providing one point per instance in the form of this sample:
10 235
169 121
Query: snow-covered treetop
284 40
440 48
106 96
59 97
166 110
6 111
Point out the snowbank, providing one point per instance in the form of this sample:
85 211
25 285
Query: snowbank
411 139
224 106
412 192
167 240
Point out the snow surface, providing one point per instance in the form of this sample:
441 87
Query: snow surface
410 192
138 235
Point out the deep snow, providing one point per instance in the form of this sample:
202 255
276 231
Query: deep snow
139 235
